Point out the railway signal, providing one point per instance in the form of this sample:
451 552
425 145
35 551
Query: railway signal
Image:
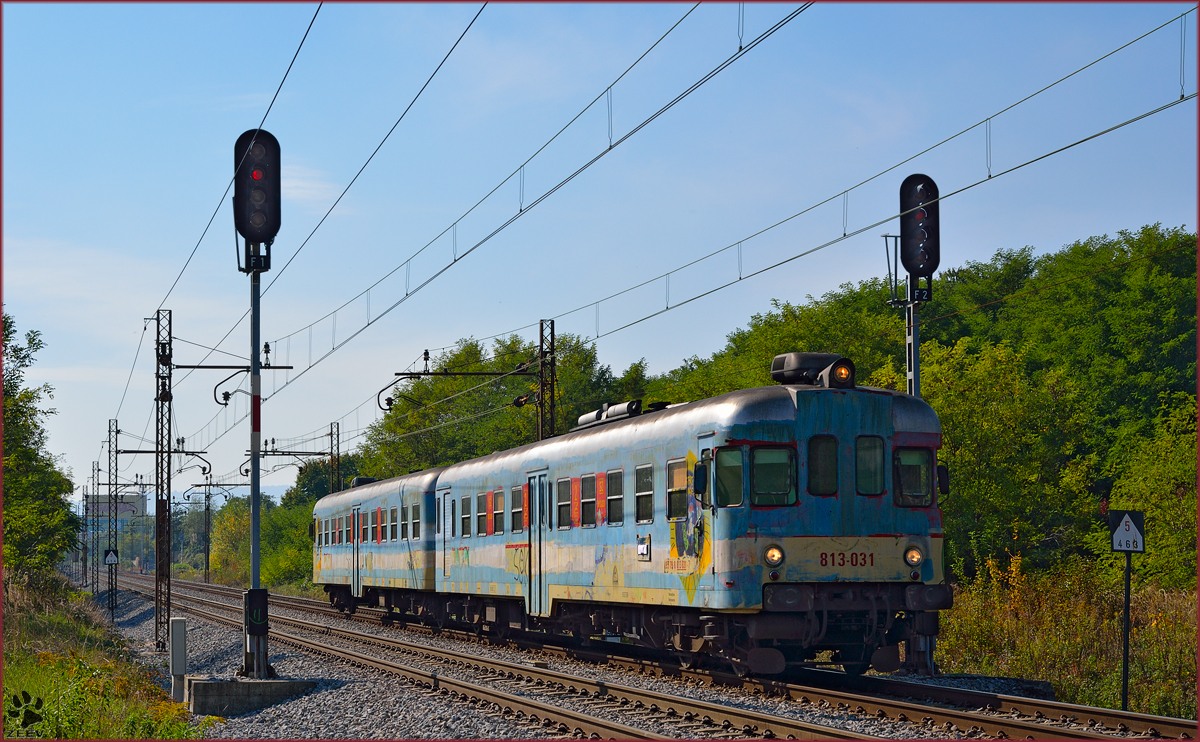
256 193
919 233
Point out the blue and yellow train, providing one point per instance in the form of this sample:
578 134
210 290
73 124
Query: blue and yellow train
760 527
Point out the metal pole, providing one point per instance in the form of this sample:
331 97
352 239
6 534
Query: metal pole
256 645
912 338
207 524
1125 654
113 433
162 482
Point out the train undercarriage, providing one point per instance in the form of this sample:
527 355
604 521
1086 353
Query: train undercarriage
862 624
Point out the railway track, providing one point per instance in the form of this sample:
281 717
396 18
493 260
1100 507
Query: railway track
691 718
974 712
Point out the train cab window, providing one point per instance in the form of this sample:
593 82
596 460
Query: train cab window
822 465
498 511
614 492
868 465
564 503
677 506
466 516
587 500
404 523
728 481
912 474
518 510
643 483
481 514
772 477
416 522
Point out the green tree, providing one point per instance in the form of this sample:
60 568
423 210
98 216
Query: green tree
1157 475
286 547
39 525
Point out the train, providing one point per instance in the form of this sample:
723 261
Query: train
762 529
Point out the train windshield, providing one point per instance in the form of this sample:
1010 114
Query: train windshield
772 477
912 470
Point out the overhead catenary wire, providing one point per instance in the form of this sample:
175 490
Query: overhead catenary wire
876 176
691 89
836 240
453 228
348 185
819 247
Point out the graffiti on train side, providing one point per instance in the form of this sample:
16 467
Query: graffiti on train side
610 566
516 558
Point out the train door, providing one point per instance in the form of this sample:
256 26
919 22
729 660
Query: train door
443 528
538 533
707 516
355 547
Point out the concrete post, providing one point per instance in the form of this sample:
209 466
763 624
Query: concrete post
178 657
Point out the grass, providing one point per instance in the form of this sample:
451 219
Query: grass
1065 627
67 676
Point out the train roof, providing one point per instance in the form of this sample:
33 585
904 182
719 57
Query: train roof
757 404
419 481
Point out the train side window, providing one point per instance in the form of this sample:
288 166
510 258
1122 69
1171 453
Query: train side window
498 511
395 521
416 522
729 477
362 518
466 516
481 514
347 524
912 475
677 505
453 517
822 465
868 465
614 491
644 493
587 500
437 524
518 510
772 477
325 533
564 503
404 523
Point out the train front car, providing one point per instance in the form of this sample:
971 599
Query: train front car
826 526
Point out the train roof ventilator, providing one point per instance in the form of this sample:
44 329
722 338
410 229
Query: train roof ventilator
813 369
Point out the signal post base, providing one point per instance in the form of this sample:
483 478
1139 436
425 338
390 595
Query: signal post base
255 663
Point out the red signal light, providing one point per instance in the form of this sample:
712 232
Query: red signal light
256 174
920 214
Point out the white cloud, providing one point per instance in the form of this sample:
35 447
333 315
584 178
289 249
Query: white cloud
309 187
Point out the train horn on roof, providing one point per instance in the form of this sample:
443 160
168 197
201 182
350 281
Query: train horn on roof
814 369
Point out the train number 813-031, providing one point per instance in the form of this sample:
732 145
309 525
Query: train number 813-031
844 558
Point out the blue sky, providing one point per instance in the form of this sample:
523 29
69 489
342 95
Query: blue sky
119 123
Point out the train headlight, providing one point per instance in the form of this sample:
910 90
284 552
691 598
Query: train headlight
913 556
773 556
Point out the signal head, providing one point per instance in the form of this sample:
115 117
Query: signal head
919 233
256 190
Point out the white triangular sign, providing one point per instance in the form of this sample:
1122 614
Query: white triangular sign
1127 537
